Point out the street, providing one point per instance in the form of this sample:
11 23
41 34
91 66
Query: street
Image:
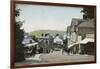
58 57
55 57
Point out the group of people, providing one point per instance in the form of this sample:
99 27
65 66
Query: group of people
45 44
48 43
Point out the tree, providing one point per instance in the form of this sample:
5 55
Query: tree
88 12
19 35
34 38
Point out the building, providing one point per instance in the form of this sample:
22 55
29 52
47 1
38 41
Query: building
72 31
77 32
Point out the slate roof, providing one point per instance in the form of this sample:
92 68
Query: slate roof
88 23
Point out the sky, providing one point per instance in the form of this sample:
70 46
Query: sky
41 17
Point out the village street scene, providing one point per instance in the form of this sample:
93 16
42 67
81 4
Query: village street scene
50 39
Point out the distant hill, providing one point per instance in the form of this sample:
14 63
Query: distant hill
52 32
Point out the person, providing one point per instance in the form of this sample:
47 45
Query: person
41 43
57 41
46 41
50 42
65 44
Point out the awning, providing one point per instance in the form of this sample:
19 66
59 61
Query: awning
86 40
32 44
72 45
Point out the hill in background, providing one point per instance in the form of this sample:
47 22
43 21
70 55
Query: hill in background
52 32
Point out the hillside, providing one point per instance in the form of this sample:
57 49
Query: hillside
52 32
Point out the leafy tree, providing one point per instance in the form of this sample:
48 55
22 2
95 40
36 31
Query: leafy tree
34 38
88 12
19 35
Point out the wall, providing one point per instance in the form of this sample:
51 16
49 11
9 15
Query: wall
5 34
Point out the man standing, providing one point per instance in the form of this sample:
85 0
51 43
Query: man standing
65 44
50 42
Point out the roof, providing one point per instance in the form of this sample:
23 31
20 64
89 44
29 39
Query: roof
87 23
76 21
27 40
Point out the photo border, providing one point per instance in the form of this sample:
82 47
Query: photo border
12 32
